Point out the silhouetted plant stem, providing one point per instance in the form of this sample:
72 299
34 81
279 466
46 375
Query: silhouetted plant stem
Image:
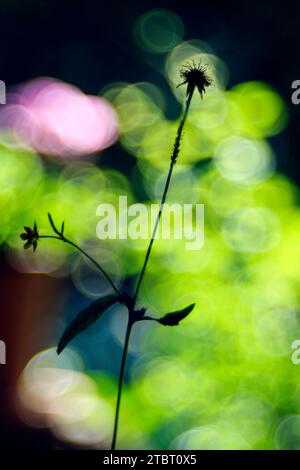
69 242
194 76
174 156
164 196
121 377
130 321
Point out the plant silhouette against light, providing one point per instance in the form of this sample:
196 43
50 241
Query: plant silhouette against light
194 76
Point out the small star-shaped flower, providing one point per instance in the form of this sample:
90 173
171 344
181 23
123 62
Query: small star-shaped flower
195 75
31 236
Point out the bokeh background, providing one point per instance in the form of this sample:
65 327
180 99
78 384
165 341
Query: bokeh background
91 114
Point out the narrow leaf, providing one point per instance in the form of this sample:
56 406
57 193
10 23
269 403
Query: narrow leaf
51 222
62 228
173 318
85 318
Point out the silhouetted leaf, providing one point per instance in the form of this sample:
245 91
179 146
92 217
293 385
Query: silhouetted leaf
173 318
85 318
51 222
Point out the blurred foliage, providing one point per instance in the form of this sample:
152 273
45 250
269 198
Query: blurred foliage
223 379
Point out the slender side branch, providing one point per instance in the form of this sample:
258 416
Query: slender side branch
69 242
195 77
164 196
121 377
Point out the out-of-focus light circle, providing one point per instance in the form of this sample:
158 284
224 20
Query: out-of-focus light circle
135 108
244 161
49 261
53 392
93 428
251 230
57 119
263 112
165 382
237 196
82 173
212 112
87 278
249 414
158 31
199 52
46 377
210 437
275 331
287 435
48 359
184 188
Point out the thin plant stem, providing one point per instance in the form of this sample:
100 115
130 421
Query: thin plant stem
193 76
121 377
130 322
62 238
167 184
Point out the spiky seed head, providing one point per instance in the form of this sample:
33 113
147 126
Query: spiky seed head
195 76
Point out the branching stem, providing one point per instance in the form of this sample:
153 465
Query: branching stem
131 305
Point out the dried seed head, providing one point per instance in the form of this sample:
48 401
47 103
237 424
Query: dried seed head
30 236
195 75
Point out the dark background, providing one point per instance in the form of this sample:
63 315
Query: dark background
89 44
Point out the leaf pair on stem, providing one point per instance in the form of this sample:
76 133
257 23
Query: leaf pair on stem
95 310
